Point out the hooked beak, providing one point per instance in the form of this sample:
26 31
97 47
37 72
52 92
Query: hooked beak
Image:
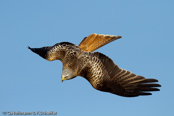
63 79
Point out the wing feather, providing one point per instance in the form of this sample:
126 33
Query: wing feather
119 81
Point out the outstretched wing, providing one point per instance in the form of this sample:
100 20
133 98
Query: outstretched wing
56 52
106 76
95 41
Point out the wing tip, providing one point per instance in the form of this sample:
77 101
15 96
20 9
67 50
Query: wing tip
143 93
29 47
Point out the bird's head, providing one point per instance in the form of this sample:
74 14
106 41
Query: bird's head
67 74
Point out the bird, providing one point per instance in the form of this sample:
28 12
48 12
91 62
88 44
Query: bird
98 69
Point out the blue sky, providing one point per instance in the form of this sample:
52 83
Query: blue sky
29 83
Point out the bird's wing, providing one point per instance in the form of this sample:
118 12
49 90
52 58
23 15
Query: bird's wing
56 52
95 41
106 76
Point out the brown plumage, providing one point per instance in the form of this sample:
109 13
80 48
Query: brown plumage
95 41
98 69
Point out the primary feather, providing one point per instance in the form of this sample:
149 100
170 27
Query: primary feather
111 78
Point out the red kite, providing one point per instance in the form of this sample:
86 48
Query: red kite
97 68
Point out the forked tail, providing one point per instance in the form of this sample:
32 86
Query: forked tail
95 41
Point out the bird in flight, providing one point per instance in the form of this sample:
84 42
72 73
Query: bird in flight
101 72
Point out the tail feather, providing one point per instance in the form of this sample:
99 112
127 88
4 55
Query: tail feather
95 41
